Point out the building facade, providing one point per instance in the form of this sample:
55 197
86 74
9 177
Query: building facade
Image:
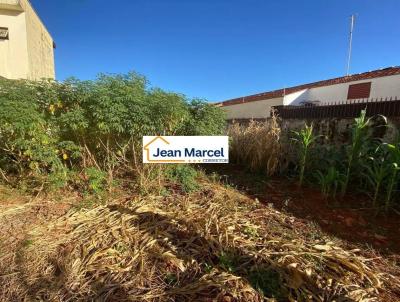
26 47
377 84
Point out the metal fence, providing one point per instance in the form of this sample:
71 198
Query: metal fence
389 107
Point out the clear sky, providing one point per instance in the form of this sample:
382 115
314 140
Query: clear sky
221 49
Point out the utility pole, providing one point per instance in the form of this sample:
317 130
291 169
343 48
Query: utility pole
352 21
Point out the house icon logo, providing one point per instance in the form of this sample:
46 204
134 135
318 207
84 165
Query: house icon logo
148 147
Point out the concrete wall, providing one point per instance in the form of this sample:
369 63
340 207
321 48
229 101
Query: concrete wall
339 130
257 109
14 62
28 53
40 45
380 88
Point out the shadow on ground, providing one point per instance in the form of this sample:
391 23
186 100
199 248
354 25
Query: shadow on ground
350 219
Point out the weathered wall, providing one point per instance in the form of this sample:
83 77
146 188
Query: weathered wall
14 52
40 45
258 109
338 130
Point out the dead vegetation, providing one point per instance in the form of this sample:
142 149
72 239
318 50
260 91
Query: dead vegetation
257 145
213 245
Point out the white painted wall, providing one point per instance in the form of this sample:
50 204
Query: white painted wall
380 88
297 97
257 109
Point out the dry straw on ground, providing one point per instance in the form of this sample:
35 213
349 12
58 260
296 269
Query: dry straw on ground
216 245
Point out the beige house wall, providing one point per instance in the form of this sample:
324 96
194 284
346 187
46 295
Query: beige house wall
249 110
40 45
14 62
29 51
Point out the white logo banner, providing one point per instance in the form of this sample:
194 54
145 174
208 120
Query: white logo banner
185 149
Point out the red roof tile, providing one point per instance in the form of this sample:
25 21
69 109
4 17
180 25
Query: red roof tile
280 92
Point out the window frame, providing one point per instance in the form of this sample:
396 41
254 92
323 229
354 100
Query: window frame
7 37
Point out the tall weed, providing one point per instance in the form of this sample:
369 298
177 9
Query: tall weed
256 145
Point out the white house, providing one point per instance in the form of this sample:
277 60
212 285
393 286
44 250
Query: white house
375 84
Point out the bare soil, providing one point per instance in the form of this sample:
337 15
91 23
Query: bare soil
351 218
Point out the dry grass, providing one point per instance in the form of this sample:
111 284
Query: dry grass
257 144
214 245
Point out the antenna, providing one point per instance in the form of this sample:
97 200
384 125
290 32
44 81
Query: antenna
352 21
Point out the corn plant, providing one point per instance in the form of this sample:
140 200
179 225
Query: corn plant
330 182
376 170
358 140
304 138
394 164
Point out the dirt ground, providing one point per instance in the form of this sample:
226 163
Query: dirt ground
266 241
350 218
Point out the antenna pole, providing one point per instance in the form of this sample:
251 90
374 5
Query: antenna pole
352 21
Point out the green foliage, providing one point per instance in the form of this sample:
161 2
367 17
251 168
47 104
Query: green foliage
250 231
359 139
330 182
184 175
48 128
228 261
205 119
304 138
370 166
268 282
394 168
28 141
375 171
96 180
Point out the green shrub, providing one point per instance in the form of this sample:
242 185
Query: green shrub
28 143
205 119
330 182
96 180
48 128
184 175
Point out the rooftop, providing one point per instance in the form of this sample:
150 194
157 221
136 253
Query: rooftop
281 92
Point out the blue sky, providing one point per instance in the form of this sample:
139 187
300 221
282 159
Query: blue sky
221 49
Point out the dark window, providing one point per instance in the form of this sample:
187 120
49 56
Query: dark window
359 91
3 33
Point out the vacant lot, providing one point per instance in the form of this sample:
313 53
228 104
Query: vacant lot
296 218
215 244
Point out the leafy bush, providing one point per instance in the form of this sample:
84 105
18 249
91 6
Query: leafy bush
184 175
96 180
47 127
